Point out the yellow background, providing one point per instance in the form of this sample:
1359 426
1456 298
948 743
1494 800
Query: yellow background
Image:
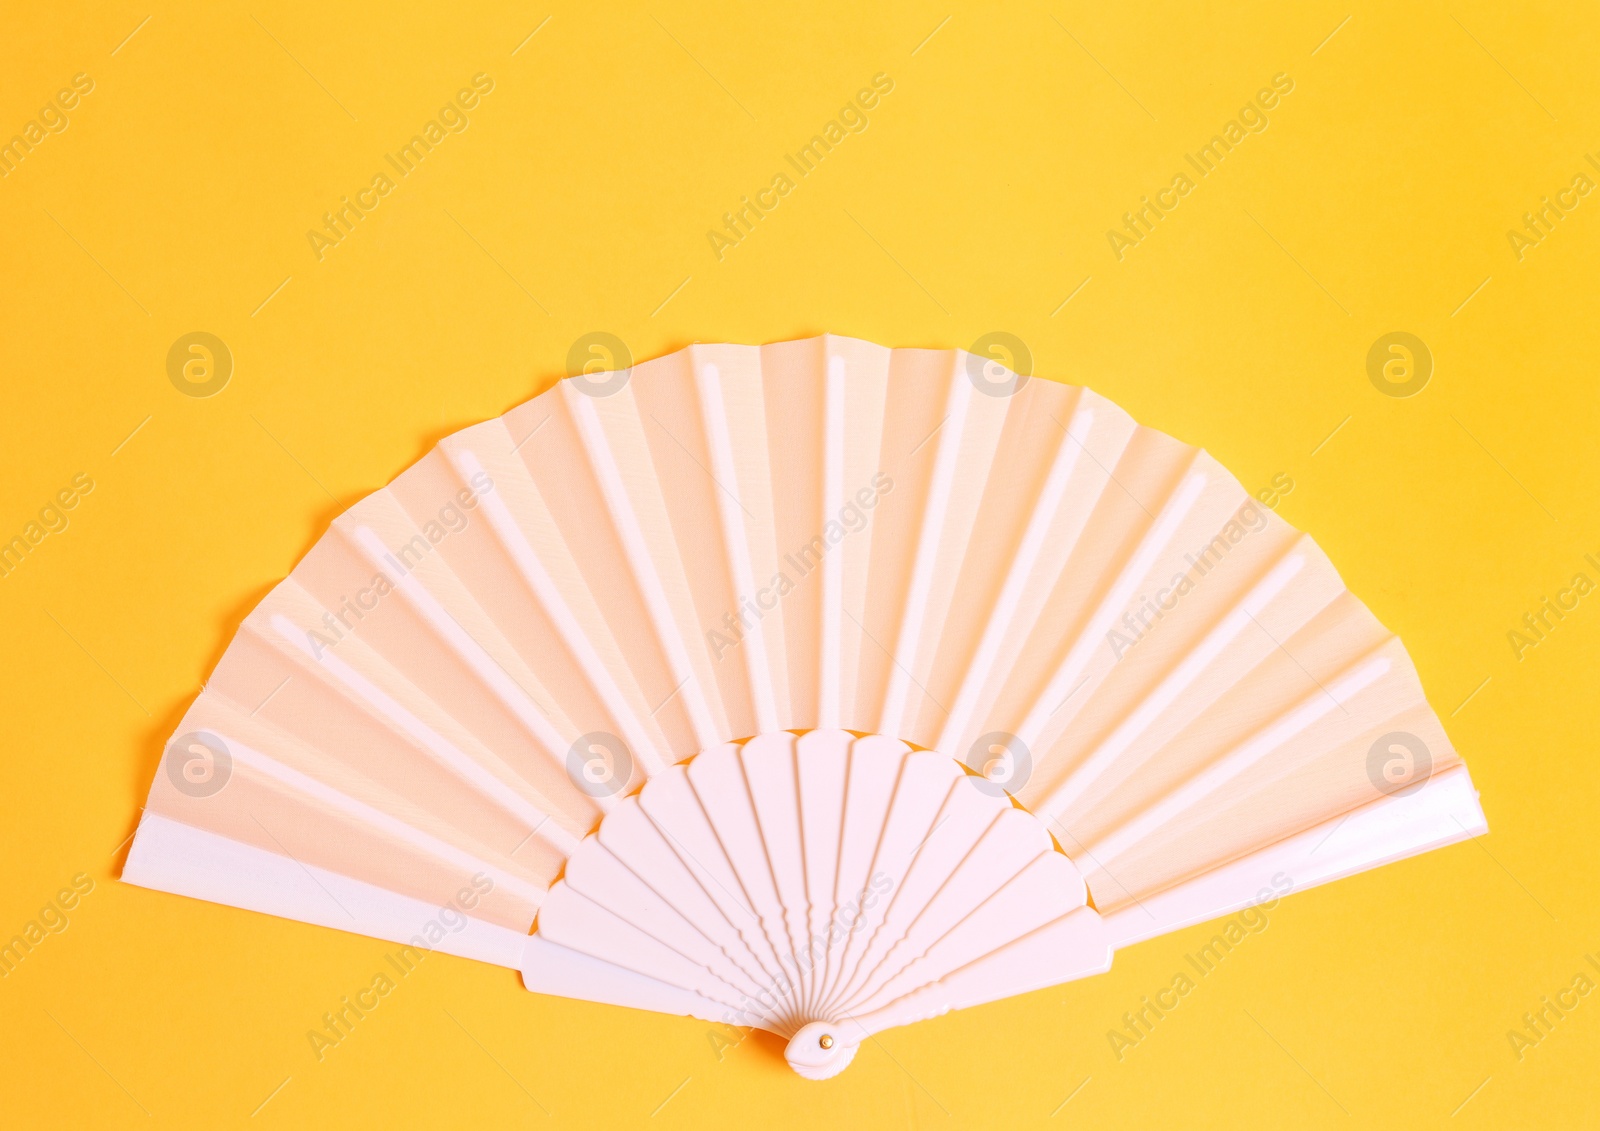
978 199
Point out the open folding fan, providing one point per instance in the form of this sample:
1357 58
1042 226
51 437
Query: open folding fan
815 686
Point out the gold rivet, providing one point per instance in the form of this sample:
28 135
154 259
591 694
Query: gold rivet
826 1041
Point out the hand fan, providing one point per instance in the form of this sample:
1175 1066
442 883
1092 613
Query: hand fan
813 686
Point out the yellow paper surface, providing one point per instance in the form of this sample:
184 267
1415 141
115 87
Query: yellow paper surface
974 195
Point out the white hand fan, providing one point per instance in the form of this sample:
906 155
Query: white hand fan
767 584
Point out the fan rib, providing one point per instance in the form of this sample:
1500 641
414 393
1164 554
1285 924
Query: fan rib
867 755
894 964
867 925
572 919
936 507
650 865
766 763
641 566
757 943
724 794
545 592
385 823
886 930
1027 899
833 449
821 761
512 695
735 540
1361 674
620 890
1143 713
1158 535
169 855
1389 828
385 708
1040 521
